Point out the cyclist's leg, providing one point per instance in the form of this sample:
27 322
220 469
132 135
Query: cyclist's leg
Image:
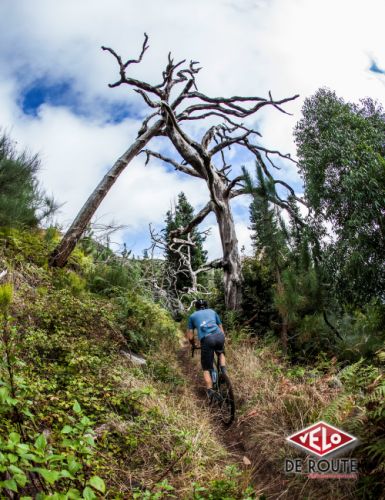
207 379
220 350
207 359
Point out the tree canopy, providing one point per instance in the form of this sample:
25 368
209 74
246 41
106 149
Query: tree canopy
341 152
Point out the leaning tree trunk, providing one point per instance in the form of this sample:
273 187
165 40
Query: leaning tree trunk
63 250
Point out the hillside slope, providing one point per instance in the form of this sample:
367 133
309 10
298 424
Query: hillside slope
80 420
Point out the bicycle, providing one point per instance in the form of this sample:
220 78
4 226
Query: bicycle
223 396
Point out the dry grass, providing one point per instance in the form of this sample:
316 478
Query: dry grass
175 433
272 406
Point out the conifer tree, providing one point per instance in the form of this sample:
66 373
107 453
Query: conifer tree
269 239
182 215
22 202
291 253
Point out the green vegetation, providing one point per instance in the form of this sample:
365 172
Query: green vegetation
79 419
176 268
323 296
22 201
342 160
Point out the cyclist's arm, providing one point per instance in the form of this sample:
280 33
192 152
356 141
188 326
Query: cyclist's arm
219 323
190 336
190 331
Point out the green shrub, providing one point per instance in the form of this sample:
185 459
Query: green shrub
162 371
24 246
228 488
22 201
62 468
363 332
145 324
360 409
112 278
6 293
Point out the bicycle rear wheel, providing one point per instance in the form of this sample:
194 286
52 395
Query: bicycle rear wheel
227 404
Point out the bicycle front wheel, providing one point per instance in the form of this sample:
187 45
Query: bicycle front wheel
227 404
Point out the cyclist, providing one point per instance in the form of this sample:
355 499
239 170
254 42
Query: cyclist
212 338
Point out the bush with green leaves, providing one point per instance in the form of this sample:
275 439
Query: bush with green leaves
228 488
115 277
362 332
29 463
22 202
144 324
58 470
360 409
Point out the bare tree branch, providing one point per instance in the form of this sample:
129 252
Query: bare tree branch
200 216
233 183
147 100
228 142
178 166
230 105
187 147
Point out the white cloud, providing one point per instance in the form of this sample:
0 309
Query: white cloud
246 47
147 192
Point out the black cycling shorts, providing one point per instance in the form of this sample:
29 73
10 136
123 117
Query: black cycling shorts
210 344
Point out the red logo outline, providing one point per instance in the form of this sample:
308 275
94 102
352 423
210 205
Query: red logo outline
321 431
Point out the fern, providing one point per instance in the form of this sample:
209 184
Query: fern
332 412
377 450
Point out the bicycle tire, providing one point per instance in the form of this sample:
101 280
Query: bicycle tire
227 406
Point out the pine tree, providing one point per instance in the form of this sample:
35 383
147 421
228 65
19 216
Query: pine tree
180 217
269 239
22 202
268 229
290 254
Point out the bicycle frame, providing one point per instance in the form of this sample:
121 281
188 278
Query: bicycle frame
215 368
225 402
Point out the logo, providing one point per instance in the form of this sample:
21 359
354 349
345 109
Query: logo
321 438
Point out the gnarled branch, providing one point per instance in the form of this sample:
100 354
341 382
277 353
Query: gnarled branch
178 166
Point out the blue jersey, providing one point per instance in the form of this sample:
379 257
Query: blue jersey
206 321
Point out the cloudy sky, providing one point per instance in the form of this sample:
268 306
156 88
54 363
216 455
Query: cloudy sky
54 97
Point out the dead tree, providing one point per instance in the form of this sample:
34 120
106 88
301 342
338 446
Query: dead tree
59 256
166 288
174 102
199 161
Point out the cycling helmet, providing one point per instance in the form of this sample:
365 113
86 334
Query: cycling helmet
201 304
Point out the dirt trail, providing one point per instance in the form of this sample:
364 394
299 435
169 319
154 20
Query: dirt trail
229 436
267 482
232 437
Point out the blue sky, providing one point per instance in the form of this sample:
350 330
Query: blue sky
374 68
55 99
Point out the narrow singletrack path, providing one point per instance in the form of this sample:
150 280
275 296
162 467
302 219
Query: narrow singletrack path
268 483
232 437
229 436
